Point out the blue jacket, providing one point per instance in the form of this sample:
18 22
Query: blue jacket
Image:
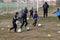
35 16
57 13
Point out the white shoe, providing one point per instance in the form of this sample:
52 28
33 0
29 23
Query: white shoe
27 28
19 30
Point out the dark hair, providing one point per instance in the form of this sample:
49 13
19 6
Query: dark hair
58 9
17 13
25 7
45 2
35 11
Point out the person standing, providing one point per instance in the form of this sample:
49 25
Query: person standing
26 11
31 12
45 9
35 17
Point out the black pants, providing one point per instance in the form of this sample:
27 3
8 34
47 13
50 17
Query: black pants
14 27
45 13
24 22
31 14
59 17
35 22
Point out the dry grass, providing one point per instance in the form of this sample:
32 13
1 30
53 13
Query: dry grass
36 33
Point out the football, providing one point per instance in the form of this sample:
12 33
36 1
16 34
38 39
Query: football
19 30
39 25
27 28
27 18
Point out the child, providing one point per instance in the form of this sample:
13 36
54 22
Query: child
57 12
45 9
31 12
15 18
24 21
35 17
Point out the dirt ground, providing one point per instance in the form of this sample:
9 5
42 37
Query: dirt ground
48 31
49 27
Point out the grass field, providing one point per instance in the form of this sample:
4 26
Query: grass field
36 33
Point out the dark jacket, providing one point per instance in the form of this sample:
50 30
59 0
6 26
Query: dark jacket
31 11
45 6
24 17
15 18
25 10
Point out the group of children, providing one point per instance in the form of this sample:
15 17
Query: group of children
22 17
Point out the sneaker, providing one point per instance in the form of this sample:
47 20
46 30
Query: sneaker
34 25
27 28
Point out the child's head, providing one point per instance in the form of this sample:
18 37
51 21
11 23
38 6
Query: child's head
45 2
58 9
25 7
17 14
35 11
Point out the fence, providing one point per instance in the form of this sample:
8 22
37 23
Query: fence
15 6
12 7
